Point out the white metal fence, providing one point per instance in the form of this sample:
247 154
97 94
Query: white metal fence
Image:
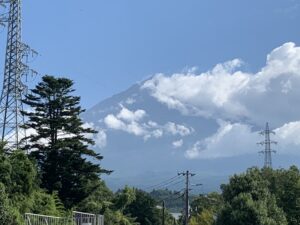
81 218
78 218
35 219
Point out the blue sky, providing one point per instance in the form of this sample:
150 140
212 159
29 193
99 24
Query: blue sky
106 46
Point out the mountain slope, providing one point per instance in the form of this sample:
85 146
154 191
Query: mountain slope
207 123
140 161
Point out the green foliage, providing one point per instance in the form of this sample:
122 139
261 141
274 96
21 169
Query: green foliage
18 177
212 202
98 201
248 200
124 198
285 185
6 211
60 145
23 174
43 203
5 169
143 208
17 173
116 217
171 198
205 207
205 217
112 206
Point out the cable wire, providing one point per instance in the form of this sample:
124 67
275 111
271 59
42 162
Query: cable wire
164 183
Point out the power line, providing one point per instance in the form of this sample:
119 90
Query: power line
174 184
175 195
171 183
164 183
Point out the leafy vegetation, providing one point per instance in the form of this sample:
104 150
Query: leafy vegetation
256 197
172 199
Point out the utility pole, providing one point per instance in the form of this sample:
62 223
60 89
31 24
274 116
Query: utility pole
187 175
15 68
267 144
163 212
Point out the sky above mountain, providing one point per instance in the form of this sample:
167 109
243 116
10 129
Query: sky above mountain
240 103
106 46
195 120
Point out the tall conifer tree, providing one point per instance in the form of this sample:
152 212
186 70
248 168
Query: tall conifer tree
58 141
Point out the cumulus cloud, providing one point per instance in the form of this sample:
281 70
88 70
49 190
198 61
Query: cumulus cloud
289 137
177 129
101 139
177 144
232 139
131 116
231 94
126 120
134 122
113 122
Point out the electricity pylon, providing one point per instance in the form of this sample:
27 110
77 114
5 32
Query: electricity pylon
15 68
267 143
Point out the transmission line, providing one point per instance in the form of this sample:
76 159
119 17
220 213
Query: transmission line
164 183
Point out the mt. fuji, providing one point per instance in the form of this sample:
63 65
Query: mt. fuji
204 122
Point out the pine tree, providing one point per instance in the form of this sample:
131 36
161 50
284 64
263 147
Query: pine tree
59 142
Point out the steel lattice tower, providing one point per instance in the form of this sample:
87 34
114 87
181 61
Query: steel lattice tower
15 69
267 143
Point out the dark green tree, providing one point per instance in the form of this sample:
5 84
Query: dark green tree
59 142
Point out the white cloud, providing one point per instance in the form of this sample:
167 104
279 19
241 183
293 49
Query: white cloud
230 140
114 123
100 138
231 94
127 120
130 101
131 116
177 144
133 122
234 139
132 127
157 133
289 135
177 129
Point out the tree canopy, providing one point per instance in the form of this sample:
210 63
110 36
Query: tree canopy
59 142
